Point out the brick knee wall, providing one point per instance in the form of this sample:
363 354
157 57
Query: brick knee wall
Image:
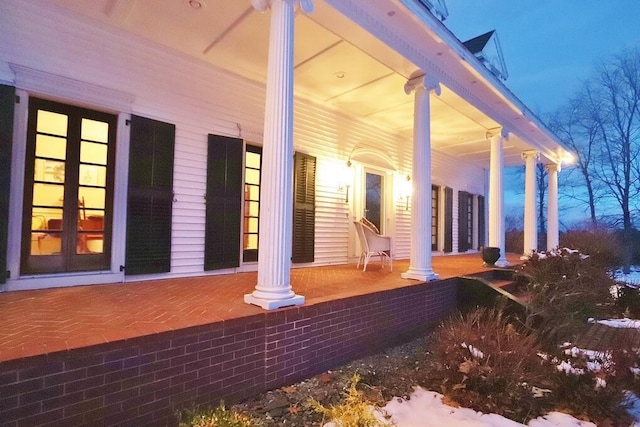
143 381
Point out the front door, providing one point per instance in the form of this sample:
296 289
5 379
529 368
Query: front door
374 199
68 190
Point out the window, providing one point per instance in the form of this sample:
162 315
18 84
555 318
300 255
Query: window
68 188
252 162
373 199
435 191
465 221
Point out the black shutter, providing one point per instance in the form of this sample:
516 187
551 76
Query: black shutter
150 196
481 221
7 103
448 220
224 202
463 229
304 207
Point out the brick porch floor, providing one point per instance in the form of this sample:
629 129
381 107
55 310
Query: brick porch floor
45 321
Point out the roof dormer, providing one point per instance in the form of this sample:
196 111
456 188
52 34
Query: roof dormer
486 48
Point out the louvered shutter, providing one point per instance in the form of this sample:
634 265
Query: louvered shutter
7 103
304 206
463 229
150 196
448 220
224 202
481 221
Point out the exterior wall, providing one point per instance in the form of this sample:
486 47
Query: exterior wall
143 381
198 99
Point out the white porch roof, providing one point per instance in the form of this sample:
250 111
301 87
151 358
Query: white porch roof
350 55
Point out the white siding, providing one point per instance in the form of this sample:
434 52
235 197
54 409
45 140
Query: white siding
200 99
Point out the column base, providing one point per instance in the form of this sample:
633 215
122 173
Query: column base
273 304
423 276
502 263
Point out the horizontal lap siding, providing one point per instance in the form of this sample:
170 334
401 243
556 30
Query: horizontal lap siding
199 100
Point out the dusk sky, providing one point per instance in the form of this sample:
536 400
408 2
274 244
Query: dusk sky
550 47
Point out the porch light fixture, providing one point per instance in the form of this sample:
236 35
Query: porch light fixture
405 192
345 180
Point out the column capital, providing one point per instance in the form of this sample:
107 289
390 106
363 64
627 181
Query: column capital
418 79
500 131
530 154
306 6
553 167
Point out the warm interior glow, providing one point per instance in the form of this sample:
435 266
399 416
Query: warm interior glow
50 179
251 200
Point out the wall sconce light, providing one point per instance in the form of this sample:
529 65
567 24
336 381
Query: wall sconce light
405 192
346 179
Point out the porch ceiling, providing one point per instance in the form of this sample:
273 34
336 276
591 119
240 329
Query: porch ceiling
337 63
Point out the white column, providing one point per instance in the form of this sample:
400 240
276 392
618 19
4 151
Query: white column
496 195
553 229
420 262
530 191
273 289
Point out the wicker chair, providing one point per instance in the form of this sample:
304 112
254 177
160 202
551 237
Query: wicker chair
373 244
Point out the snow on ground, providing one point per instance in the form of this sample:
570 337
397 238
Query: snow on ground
425 409
618 323
633 278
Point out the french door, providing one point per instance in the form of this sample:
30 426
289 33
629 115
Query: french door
374 199
68 189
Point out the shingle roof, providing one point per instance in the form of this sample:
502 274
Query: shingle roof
476 44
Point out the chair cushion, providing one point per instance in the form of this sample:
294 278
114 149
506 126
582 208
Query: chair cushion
369 224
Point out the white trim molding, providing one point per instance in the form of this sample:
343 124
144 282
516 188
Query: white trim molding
68 89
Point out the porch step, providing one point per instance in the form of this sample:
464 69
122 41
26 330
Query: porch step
484 288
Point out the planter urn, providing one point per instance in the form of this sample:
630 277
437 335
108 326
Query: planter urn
490 255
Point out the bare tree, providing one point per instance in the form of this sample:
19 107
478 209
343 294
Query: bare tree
575 126
616 112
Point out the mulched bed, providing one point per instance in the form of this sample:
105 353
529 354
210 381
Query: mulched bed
393 372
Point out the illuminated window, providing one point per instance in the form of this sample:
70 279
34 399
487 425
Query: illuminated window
68 189
253 161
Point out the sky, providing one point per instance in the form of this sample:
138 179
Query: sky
549 47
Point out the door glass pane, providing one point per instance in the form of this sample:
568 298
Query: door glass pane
48 171
53 147
373 199
47 194
91 197
93 153
93 130
93 175
52 123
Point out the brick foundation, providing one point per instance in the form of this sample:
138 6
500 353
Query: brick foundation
143 381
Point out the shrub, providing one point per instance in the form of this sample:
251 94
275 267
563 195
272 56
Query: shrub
594 384
565 290
218 417
484 361
356 411
603 246
628 301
